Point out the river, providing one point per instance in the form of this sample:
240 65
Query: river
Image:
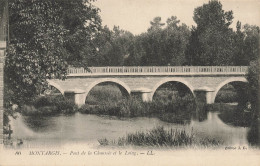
83 128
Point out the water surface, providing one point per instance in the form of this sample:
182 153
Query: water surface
84 128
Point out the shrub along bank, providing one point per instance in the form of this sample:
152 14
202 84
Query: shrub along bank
47 106
177 110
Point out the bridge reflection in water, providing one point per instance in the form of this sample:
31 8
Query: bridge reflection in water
203 81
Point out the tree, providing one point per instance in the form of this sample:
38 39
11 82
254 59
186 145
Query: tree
253 80
40 34
113 46
82 21
251 42
246 41
165 46
211 42
239 58
102 41
152 44
136 52
156 24
121 46
176 38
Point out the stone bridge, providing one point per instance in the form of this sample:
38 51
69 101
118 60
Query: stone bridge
203 81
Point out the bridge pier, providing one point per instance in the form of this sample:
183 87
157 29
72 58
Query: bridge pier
204 95
142 93
76 96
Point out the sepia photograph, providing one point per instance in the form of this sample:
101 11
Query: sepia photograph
129 82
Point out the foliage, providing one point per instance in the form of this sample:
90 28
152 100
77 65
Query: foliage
156 24
226 96
49 105
235 117
47 36
164 46
235 92
81 19
107 100
113 47
6 126
161 137
232 114
158 46
253 80
246 44
42 35
211 42
104 93
214 43
251 42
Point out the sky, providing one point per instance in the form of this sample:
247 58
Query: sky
135 15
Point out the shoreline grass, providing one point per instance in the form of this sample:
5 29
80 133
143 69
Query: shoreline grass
160 137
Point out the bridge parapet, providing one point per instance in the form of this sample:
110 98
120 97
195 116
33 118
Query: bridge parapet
203 81
159 70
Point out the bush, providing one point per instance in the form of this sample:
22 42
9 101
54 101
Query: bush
227 96
49 105
32 111
66 107
177 107
103 93
42 101
89 109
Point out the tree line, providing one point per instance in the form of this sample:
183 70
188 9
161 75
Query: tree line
212 42
46 37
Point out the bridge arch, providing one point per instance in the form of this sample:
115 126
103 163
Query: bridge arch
124 88
230 80
57 86
180 80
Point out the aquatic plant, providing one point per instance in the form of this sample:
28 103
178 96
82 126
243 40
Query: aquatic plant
160 137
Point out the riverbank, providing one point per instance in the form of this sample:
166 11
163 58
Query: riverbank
177 110
168 105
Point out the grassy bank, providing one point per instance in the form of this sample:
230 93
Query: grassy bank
160 137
